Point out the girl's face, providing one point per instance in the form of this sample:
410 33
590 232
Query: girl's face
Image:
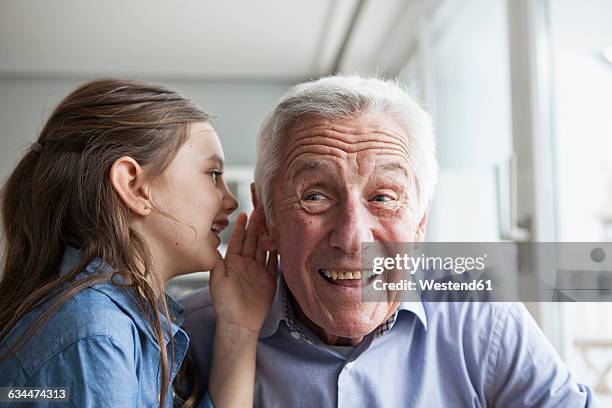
194 204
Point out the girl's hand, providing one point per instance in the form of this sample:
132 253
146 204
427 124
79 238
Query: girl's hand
242 286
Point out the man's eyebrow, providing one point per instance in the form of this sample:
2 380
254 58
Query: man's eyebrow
394 166
217 158
304 166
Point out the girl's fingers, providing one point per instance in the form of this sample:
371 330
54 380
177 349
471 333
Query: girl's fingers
250 241
236 241
260 253
272 263
219 269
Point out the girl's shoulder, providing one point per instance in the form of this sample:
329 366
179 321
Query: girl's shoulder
90 347
99 312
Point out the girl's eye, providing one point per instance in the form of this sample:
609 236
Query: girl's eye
215 174
314 197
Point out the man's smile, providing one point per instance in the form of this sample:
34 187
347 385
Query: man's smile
349 278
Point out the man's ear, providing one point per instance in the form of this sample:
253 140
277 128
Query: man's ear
419 235
254 199
265 234
127 178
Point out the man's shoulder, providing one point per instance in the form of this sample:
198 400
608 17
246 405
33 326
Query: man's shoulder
478 321
474 312
197 302
199 324
199 314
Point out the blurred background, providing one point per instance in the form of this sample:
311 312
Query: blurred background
520 91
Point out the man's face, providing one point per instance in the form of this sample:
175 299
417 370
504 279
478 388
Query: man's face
342 183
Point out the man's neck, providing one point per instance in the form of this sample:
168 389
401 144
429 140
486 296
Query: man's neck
324 336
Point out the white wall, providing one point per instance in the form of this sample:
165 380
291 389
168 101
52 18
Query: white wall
239 105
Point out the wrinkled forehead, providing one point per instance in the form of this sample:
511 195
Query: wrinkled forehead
371 138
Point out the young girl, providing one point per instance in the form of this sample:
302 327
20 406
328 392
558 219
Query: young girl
122 191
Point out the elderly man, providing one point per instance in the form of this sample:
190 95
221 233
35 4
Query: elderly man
343 161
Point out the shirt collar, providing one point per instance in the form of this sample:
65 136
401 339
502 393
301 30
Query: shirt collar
276 313
122 297
281 310
416 308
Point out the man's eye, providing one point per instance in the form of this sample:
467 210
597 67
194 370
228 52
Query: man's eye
381 198
314 197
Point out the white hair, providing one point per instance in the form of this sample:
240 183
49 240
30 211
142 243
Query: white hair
340 97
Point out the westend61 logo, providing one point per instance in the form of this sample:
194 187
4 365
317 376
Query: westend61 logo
412 264
487 271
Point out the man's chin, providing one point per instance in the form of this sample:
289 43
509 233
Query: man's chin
350 327
355 333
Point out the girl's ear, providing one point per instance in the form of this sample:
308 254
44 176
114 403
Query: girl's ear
127 178
265 236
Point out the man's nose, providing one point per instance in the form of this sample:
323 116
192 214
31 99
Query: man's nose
352 226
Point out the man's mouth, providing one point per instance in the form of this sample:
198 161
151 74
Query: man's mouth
354 278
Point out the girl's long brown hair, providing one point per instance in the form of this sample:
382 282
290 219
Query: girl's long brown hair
61 195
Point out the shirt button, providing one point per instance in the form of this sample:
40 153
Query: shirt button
295 334
348 365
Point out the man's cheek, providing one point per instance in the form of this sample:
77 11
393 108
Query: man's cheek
304 231
400 229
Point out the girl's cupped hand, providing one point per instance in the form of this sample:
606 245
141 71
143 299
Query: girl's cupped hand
242 285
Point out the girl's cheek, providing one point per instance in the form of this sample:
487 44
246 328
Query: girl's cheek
212 202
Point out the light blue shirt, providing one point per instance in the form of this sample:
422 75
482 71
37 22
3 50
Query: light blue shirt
426 355
98 346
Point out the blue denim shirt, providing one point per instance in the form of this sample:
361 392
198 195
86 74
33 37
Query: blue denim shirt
98 346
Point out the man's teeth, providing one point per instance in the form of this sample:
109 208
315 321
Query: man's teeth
339 275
